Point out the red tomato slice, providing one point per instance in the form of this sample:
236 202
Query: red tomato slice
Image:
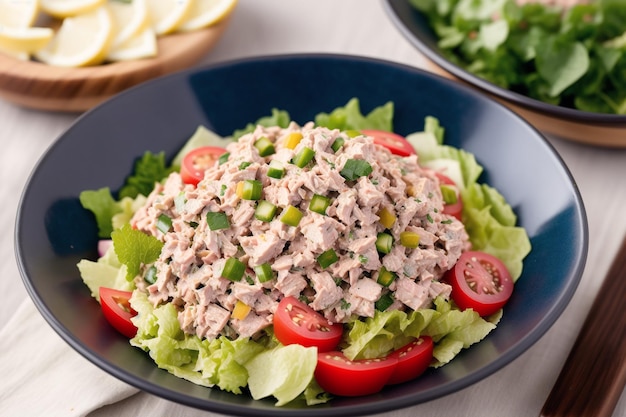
481 282
117 310
338 375
397 144
297 323
413 359
454 209
197 161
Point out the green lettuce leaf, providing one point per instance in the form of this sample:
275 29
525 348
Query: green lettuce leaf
349 117
107 271
277 118
102 204
149 169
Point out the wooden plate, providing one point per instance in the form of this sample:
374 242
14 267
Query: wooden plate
40 86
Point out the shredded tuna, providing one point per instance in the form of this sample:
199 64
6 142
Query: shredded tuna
189 270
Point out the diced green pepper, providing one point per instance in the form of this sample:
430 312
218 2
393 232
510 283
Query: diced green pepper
151 275
264 272
217 220
337 144
384 242
250 189
327 258
223 158
233 269
291 216
275 169
384 302
319 203
164 223
302 158
265 211
264 146
385 277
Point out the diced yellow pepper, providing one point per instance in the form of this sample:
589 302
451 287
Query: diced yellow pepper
409 239
292 140
241 310
239 190
387 218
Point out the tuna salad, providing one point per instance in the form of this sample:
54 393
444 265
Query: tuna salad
336 221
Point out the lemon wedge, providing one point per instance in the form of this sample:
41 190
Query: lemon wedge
205 13
18 14
24 40
142 45
129 20
167 15
68 8
80 41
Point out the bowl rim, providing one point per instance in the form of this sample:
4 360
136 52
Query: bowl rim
392 7
574 275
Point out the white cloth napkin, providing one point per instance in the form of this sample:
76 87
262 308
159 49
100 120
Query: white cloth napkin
55 382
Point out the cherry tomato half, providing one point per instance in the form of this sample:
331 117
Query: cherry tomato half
454 209
481 282
117 310
397 144
413 359
197 161
338 375
297 323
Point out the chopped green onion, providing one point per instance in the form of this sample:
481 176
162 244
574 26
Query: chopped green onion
291 216
179 202
327 258
264 146
244 165
251 190
265 211
224 157
449 194
384 302
276 169
151 275
217 220
355 168
233 269
409 239
319 203
385 277
264 272
164 223
384 242
302 158
337 144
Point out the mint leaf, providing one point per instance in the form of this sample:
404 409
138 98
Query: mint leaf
134 248
103 206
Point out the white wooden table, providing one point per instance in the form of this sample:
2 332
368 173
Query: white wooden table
357 27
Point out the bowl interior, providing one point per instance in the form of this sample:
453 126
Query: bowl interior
53 232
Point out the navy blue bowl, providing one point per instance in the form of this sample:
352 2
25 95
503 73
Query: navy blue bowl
53 232
586 127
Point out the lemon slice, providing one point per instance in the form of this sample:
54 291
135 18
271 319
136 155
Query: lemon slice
142 45
67 8
129 20
80 41
18 14
24 40
167 15
205 13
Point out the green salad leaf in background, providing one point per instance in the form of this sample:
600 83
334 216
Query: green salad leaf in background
572 57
